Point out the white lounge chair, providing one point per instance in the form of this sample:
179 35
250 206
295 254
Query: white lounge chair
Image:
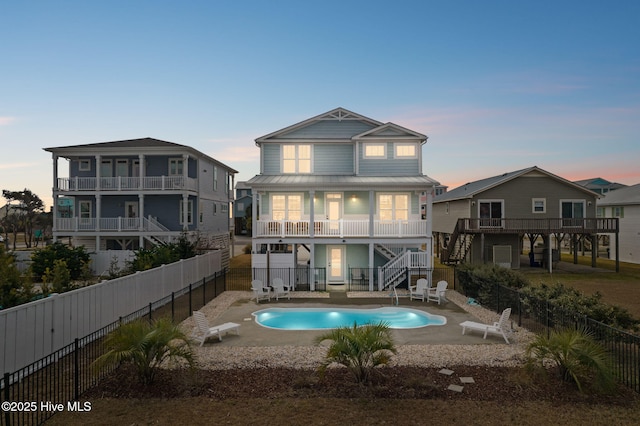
419 291
500 328
280 290
436 293
203 331
260 292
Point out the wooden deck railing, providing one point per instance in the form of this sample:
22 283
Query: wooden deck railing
510 226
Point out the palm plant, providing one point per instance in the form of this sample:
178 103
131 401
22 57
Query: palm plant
577 356
360 349
146 345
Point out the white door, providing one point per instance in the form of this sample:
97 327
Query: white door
334 211
335 255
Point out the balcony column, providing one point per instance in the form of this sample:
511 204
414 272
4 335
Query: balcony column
141 219
312 266
140 211
372 272
254 219
185 212
185 170
98 215
98 167
312 202
372 210
141 173
98 211
54 206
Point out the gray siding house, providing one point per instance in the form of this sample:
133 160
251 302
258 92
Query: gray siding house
346 189
131 194
491 220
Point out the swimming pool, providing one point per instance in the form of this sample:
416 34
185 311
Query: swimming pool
327 318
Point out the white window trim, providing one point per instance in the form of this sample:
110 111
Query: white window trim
296 158
189 212
574 201
394 210
405 157
533 205
286 203
384 150
126 169
181 160
84 165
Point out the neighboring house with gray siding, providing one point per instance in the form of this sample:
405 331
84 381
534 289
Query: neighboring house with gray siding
345 188
488 221
624 204
131 194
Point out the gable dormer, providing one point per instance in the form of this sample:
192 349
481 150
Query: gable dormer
389 149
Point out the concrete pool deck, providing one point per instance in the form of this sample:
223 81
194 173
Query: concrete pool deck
237 306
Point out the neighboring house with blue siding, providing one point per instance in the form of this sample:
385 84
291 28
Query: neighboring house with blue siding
241 204
131 194
345 188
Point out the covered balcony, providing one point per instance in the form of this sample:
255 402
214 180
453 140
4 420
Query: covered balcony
122 183
78 224
341 228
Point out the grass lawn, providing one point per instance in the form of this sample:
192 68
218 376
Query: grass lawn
617 288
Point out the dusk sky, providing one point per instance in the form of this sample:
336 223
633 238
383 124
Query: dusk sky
496 85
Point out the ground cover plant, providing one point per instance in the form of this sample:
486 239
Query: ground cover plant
398 395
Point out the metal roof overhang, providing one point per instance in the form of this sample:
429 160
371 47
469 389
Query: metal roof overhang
333 182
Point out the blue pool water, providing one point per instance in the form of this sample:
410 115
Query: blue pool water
326 318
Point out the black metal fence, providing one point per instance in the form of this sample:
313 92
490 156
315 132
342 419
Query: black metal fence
56 382
359 279
300 277
32 394
543 316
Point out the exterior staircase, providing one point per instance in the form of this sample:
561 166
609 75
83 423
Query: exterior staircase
398 270
457 247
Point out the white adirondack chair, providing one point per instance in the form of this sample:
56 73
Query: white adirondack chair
419 291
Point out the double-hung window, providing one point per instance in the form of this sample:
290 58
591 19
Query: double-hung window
286 207
539 205
393 207
176 167
296 158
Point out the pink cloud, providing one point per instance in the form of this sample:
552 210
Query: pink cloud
5 121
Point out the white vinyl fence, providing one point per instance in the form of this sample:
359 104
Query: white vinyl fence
32 331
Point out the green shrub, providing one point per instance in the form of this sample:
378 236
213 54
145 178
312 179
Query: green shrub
577 357
568 300
15 288
481 282
58 279
162 255
360 349
75 257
